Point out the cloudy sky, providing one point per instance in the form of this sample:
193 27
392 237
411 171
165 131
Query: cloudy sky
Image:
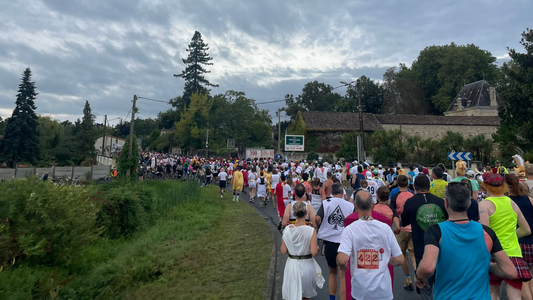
105 51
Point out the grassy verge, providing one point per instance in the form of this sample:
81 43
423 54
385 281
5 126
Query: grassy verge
228 261
197 247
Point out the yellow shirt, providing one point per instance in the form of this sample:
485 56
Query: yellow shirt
437 187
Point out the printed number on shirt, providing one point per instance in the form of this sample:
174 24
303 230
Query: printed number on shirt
367 259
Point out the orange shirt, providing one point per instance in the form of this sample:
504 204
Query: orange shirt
384 209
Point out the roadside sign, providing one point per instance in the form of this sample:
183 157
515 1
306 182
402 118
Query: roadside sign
459 156
294 143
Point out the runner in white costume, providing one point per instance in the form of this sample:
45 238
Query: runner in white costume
252 184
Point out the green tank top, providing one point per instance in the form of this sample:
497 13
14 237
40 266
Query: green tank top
503 222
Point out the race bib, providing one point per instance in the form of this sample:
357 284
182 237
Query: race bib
368 259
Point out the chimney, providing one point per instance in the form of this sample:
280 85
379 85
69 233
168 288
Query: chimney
459 103
492 95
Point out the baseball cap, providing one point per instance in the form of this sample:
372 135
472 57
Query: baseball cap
368 175
380 166
375 172
470 173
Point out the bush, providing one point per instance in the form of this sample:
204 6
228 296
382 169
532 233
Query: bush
312 156
43 223
125 209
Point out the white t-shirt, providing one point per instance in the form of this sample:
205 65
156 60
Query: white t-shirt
286 191
370 244
353 170
223 176
275 180
373 188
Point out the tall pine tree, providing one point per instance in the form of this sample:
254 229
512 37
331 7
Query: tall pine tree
86 136
21 139
195 81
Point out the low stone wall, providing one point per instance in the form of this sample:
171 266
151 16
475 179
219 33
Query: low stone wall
93 172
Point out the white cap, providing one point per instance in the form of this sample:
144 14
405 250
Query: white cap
368 175
380 166
355 162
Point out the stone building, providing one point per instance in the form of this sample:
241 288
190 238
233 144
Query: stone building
326 129
475 99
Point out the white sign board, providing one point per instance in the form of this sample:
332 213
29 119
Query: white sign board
294 143
259 153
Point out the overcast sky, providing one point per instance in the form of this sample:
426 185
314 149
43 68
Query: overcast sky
105 51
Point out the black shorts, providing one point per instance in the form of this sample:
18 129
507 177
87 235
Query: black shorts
222 184
331 253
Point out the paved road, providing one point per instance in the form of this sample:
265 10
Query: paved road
399 292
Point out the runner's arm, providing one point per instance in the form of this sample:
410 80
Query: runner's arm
345 250
484 213
503 267
523 227
283 249
312 215
319 216
427 265
286 215
314 244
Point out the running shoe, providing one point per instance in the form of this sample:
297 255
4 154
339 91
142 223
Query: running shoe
408 286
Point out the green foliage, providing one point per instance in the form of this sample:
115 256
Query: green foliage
401 95
348 146
103 268
190 130
46 224
396 146
50 132
387 146
21 139
125 210
195 81
516 128
298 125
441 72
125 163
3 124
86 134
371 96
315 96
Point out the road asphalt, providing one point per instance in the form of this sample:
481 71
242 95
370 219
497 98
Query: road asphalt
271 215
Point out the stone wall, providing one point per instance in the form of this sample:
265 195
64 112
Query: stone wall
437 131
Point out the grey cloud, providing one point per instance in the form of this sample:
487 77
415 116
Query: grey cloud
390 32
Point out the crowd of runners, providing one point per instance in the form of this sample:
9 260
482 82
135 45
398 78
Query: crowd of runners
462 235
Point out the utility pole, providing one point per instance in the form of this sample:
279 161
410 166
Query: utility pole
361 123
279 131
103 139
133 108
207 141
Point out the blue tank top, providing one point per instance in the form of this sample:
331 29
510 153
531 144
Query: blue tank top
527 210
454 268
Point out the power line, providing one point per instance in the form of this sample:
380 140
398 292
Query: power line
155 100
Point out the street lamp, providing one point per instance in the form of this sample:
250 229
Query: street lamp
361 123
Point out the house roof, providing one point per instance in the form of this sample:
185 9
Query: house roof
338 121
437 120
473 95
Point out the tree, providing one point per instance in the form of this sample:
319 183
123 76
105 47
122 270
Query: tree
190 130
195 81
298 125
49 138
516 128
3 124
371 96
86 136
402 96
124 163
315 96
387 146
348 146
441 72
21 140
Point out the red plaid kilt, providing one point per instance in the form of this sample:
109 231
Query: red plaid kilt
527 253
521 266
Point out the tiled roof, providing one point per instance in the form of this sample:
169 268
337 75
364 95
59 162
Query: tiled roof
473 95
437 120
338 121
